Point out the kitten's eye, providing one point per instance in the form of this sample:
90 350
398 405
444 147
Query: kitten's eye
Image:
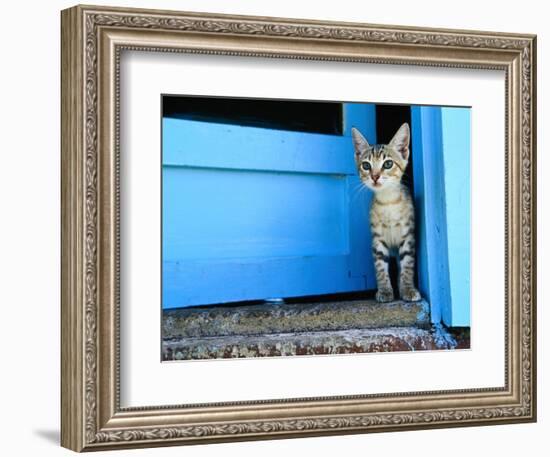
388 164
365 166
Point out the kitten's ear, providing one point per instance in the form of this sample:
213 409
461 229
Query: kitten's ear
359 142
400 141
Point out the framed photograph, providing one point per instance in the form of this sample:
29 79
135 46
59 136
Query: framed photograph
281 228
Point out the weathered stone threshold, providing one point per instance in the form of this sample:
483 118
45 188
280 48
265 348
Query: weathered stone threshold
265 330
292 317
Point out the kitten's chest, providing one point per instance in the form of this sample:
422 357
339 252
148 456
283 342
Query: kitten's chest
388 221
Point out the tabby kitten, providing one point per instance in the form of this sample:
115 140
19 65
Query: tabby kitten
381 167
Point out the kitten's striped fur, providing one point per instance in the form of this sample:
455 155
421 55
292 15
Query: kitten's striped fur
381 168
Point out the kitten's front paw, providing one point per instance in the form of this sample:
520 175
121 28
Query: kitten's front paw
410 294
384 295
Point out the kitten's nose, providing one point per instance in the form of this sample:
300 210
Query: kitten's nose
375 178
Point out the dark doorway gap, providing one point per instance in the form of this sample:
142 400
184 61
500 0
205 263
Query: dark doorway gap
293 115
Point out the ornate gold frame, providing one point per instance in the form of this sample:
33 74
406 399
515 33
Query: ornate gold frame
92 40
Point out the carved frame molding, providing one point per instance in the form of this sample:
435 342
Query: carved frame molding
92 41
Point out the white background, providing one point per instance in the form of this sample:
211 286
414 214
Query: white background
146 75
29 241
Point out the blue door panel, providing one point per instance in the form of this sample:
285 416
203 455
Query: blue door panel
433 278
238 214
252 213
201 282
210 145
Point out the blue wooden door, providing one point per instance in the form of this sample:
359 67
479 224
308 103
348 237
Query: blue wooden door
441 166
253 213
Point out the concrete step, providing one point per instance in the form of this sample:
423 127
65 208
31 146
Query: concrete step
349 341
265 319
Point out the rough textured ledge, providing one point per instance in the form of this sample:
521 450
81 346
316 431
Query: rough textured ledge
266 319
309 343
